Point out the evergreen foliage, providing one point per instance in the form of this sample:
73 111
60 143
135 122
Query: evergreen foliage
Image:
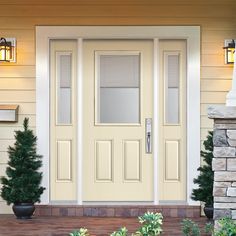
22 184
190 228
206 177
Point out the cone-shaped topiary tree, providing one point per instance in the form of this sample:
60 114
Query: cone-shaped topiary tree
22 184
206 177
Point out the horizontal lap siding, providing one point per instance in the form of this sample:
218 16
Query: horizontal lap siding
19 18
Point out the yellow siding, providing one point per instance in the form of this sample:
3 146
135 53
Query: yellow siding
213 85
18 19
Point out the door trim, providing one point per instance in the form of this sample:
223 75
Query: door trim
190 33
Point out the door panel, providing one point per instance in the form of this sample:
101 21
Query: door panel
104 160
63 123
132 160
172 100
117 99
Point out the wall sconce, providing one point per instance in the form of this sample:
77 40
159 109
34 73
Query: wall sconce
229 51
8 49
231 95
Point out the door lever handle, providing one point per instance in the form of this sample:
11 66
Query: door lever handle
148 123
148 142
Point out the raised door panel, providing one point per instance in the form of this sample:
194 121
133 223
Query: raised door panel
132 160
104 161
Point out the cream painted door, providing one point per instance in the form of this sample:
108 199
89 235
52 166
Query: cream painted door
117 95
63 122
172 136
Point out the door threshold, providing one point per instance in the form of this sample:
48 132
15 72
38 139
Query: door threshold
123 203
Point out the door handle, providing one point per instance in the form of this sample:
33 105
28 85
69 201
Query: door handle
148 127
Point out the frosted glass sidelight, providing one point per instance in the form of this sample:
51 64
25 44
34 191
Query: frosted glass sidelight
64 89
172 75
118 88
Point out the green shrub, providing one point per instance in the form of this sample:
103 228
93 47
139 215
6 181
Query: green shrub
151 224
22 183
227 227
80 232
121 232
206 176
209 228
190 228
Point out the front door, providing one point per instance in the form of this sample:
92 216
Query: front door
117 96
117 121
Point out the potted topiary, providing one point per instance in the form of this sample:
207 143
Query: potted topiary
206 178
22 184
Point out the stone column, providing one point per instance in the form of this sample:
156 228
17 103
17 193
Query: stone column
224 162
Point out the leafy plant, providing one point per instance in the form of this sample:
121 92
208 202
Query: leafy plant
151 224
206 177
80 232
22 184
190 228
121 232
209 228
227 227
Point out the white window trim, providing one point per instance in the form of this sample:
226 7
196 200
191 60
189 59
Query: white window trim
192 36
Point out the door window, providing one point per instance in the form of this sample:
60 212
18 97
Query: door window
118 87
172 74
63 87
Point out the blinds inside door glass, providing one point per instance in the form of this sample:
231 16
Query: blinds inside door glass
172 76
64 88
118 88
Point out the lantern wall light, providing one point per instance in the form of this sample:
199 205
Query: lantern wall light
229 51
7 49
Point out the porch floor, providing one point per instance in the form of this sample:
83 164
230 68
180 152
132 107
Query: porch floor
62 226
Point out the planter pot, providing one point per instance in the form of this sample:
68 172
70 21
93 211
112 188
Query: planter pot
208 212
23 210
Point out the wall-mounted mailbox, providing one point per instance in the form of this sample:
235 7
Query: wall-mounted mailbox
9 113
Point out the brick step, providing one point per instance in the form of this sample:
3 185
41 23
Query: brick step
117 211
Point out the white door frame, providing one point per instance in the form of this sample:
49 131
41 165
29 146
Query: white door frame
192 36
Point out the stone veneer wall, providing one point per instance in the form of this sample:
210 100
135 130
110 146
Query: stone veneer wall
224 162
168 211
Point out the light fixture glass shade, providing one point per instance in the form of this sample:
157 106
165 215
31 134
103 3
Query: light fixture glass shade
229 51
5 50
